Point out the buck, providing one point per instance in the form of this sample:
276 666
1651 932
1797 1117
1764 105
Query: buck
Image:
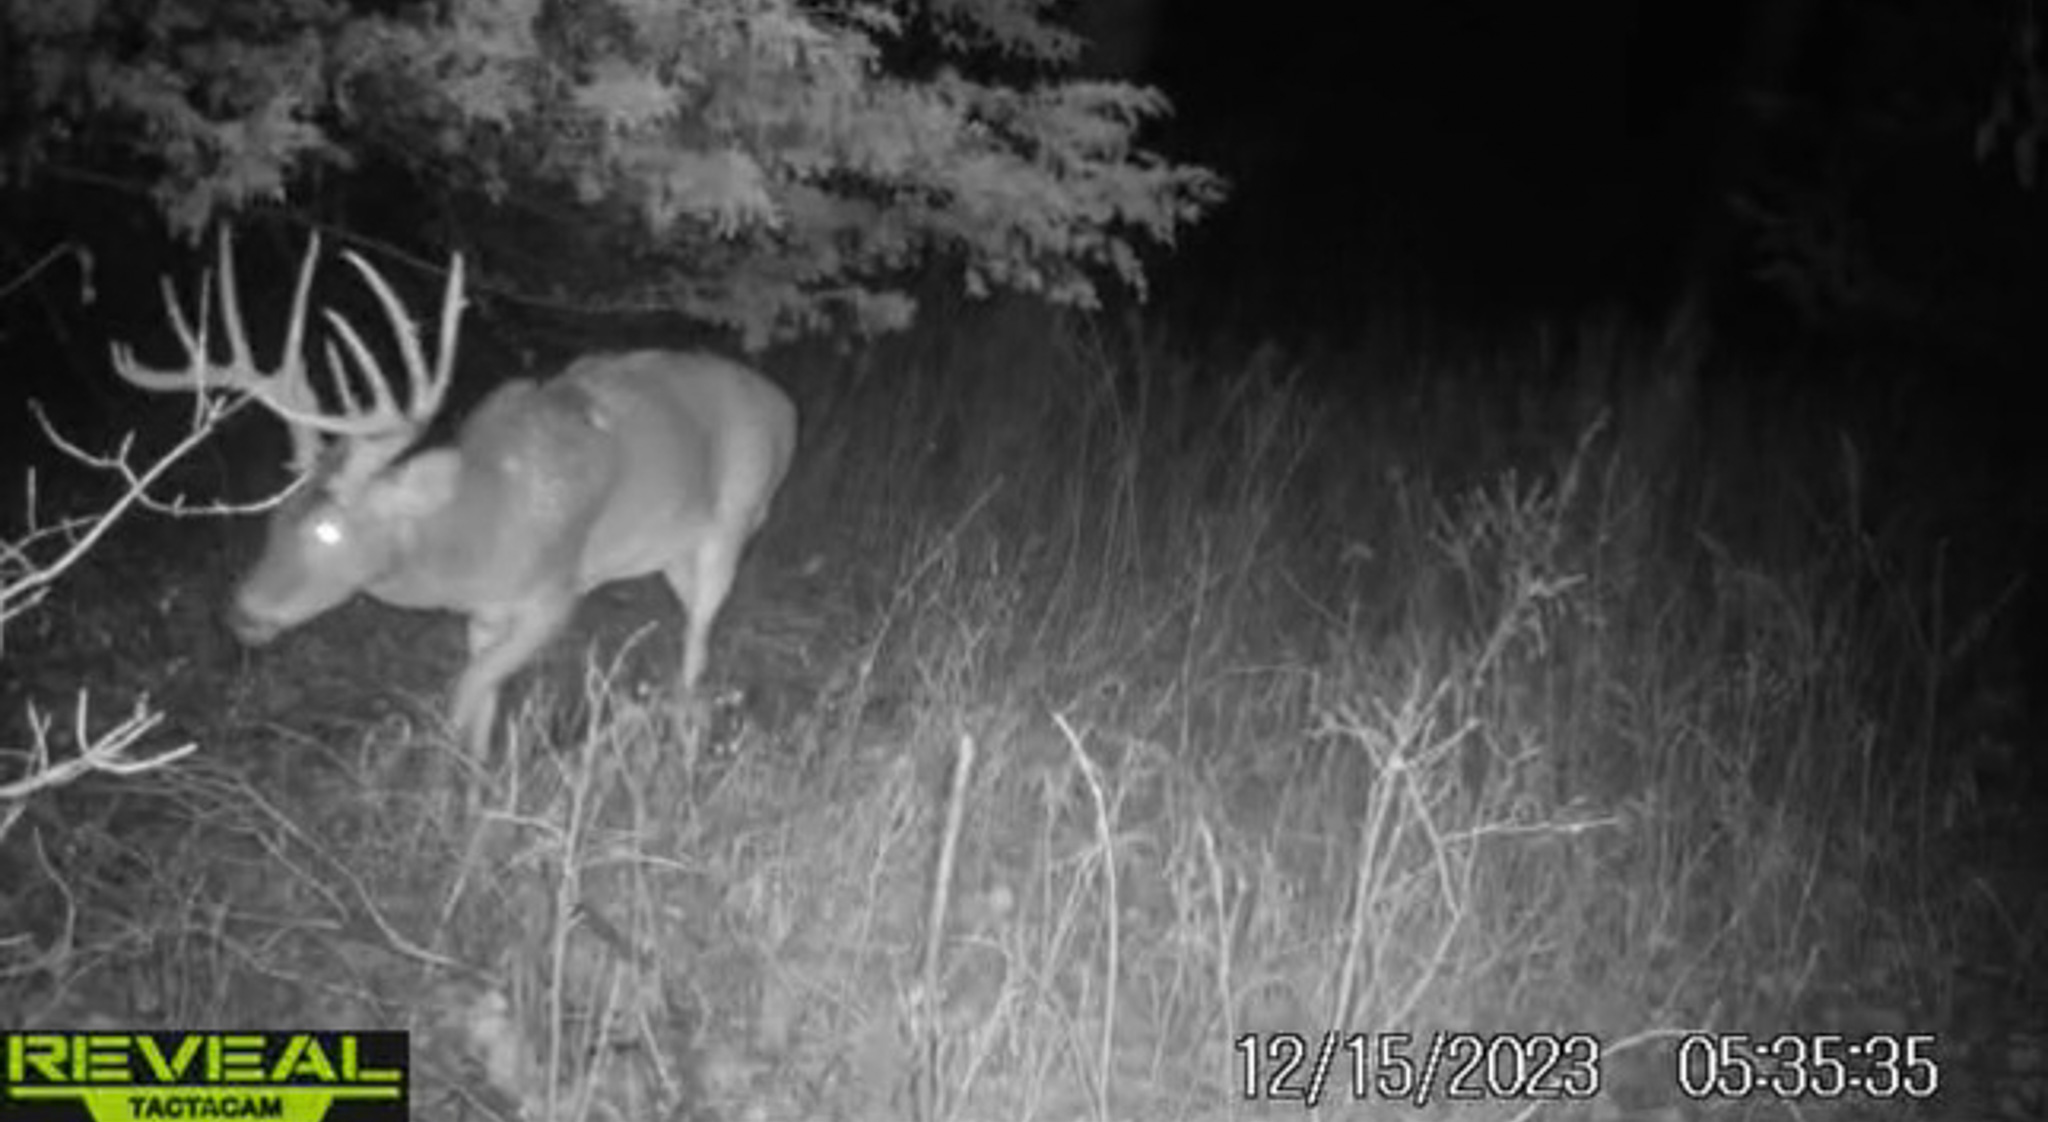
623 465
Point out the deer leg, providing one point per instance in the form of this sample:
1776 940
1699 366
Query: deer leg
498 646
702 581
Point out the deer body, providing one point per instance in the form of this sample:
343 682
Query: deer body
623 465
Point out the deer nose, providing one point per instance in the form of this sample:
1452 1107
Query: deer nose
250 628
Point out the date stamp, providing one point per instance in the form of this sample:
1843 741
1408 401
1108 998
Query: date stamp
1316 1068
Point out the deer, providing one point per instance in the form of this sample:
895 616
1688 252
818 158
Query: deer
621 466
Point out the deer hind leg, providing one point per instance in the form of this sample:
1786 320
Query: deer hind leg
498 646
702 580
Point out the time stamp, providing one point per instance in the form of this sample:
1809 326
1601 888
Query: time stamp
1314 1068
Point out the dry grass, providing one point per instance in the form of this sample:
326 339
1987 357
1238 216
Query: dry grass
1537 692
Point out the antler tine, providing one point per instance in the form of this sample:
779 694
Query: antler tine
285 390
158 380
240 359
425 388
452 303
377 428
382 414
380 428
288 395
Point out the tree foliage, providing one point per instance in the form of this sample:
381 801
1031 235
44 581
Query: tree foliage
766 164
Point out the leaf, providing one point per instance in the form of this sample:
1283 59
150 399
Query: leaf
625 98
751 162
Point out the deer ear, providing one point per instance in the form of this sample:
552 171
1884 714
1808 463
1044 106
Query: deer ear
419 486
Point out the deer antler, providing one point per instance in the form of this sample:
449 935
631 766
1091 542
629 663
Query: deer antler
284 391
381 428
376 431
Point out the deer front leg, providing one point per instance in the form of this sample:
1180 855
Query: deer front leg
499 644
